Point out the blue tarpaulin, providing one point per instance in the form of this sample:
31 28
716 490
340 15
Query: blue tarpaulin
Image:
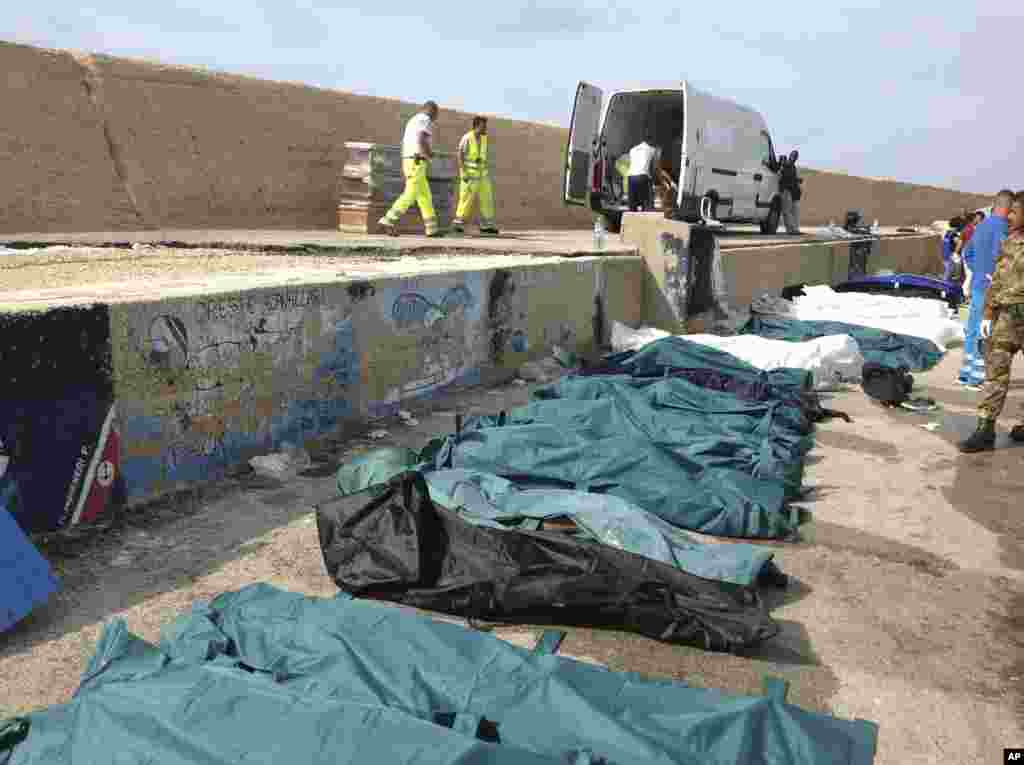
262 675
26 580
913 285
699 458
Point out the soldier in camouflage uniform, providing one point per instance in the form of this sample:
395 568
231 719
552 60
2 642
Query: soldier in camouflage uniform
1003 327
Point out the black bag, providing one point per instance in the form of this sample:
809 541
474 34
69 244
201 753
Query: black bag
403 548
887 385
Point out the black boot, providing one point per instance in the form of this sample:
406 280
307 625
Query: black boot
1017 434
982 440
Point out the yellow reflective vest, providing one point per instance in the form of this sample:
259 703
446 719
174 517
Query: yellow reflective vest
474 163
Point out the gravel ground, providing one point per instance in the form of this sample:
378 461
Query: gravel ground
905 606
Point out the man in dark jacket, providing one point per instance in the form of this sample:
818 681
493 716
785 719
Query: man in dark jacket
789 186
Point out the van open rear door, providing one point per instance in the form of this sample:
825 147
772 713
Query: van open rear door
579 155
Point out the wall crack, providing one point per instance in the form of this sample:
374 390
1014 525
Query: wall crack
92 81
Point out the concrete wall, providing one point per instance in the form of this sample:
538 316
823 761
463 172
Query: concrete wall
191 148
96 143
56 171
751 272
666 248
203 383
828 196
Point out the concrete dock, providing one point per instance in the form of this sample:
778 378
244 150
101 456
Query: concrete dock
158 369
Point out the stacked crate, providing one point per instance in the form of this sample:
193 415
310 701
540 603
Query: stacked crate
372 180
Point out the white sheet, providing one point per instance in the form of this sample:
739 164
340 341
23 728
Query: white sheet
830 360
917 317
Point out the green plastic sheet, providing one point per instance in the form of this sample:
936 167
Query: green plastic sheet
266 676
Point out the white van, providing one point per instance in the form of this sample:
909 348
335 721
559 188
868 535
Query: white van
720 154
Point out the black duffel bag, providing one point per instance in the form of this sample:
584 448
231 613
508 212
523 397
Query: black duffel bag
890 386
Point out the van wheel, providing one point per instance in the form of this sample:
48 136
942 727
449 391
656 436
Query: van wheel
614 222
770 224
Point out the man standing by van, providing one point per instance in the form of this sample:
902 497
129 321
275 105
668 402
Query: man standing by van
643 162
789 186
475 175
416 154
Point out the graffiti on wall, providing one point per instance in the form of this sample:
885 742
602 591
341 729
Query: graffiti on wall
59 430
215 380
677 274
508 316
512 319
436 323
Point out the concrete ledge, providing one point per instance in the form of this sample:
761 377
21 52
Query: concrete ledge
136 399
132 374
752 265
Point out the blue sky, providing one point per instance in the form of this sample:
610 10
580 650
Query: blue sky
919 91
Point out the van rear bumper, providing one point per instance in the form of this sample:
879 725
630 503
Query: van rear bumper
688 211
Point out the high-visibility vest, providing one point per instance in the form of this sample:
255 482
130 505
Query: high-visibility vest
475 161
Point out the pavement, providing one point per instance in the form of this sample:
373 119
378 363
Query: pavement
905 606
39 271
547 242
550 242
81 275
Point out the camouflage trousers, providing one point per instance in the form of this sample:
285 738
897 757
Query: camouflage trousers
1006 340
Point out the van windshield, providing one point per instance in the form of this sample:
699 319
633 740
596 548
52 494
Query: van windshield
630 115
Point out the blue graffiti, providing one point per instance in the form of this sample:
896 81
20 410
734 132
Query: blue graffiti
182 461
341 363
519 341
309 418
468 377
414 308
456 298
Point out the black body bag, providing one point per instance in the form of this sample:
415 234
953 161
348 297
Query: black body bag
401 547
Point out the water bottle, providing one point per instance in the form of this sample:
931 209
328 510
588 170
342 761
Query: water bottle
599 233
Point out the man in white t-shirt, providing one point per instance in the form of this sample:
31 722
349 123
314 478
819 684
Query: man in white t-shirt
643 161
416 154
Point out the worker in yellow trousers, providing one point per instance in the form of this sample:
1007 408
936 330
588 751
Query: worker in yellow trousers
474 170
417 152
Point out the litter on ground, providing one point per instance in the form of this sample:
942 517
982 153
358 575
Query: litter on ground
283 465
408 419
